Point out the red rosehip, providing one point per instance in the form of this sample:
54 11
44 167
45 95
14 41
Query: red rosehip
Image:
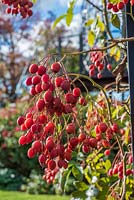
91 72
53 153
36 145
109 6
91 67
38 88
48 96
67 155
67 108
115 169
81 137
129 172
102 127
31 153
97 63
82 101
74 141
130 159
101 67
32 91
70 128
69 98
97 130
33 68
110 172
99 75
29 81
51 164
22 140
109 67
55 67
76 92
115 9
23 127
105 143
29 122
36 79
65 85
125 1
29 115
107 152
45 78
50 144
42 159
65 164
45 86
8 10
42 119
85 149
41 70
40 104
58 81
49 128
20 120
34 128
29 137
93 142
115 128
30 13
120 5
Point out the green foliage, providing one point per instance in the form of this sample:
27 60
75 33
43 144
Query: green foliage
115 20
58 20
68 16
36 185
34 1
91 38
10 179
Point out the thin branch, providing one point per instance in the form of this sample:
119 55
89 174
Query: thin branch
115 42
95 6
106 20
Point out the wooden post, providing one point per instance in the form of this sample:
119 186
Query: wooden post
130 60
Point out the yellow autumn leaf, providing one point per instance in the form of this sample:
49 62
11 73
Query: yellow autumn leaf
91 38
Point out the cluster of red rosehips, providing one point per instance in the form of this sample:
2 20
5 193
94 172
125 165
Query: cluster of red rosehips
119 6
97 59
117 169
53 137
19 6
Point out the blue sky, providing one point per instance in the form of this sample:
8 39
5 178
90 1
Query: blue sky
57 6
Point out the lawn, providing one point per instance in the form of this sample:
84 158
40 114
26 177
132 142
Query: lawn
4 195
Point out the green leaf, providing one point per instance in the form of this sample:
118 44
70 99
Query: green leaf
116 53
91 38
34 1
115 21
87 175
107 164
69 15
89 22
69 18
58 20
77 173
81 186
65 178
101 25
114 1
80 195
